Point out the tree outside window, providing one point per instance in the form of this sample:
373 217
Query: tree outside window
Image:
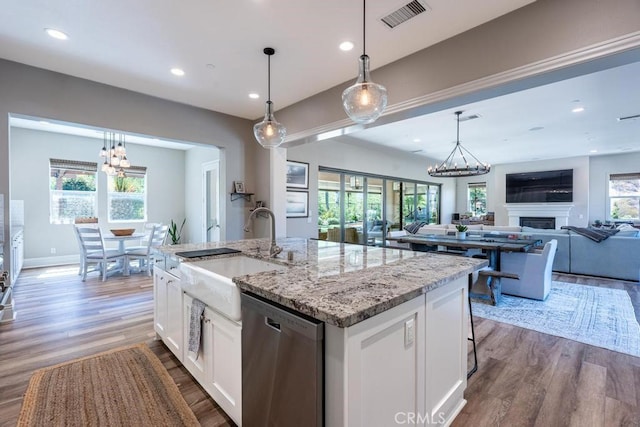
624 196
72 190
127 197
477 197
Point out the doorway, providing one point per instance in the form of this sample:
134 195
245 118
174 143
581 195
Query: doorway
210 204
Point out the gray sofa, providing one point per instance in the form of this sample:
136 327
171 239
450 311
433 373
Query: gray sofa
617 257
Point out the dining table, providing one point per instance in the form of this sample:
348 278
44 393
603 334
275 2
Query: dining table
108 236
492 245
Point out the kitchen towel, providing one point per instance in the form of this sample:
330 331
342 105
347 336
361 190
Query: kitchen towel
195 325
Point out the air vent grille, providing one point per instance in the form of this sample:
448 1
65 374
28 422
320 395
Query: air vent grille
635 116
406 12
470 117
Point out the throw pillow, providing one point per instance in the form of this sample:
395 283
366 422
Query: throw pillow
414 227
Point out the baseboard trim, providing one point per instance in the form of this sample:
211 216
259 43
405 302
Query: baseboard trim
50 261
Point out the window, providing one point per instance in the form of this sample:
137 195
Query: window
72 190
477 197
624 196
127 196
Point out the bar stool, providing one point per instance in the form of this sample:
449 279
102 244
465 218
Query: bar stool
473 334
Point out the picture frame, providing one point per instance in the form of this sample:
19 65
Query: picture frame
297 174
297 205
238 187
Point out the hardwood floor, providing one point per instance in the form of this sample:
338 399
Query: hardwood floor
525 378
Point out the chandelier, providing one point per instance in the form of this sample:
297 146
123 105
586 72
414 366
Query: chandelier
457 163
114 152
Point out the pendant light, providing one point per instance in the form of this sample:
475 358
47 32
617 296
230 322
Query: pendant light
450 167
365 100
269 133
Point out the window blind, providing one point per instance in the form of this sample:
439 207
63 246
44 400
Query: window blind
136 171
477 184
624 176
73 165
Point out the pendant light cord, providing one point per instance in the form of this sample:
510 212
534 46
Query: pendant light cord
269 78
364 27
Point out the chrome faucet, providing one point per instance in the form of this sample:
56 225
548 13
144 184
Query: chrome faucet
274 250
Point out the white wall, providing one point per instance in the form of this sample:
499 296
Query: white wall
193 191
30 154
366 159
600 168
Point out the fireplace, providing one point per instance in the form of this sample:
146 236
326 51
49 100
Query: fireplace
538 222
558 211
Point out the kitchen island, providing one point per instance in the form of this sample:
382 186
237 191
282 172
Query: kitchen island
395 324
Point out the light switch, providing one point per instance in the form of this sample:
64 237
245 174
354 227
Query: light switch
409 332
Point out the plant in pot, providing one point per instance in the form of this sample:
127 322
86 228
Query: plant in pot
175 232
461 232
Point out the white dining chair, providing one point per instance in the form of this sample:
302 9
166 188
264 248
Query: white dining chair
144 254
94 252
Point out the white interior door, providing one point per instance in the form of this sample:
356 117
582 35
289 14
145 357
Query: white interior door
210 201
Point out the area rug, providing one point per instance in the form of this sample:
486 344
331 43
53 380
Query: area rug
596 316
122 387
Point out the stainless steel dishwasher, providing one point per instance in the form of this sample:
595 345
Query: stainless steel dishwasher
282 366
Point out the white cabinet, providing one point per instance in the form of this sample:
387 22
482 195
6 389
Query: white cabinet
218 364
167 310
407 363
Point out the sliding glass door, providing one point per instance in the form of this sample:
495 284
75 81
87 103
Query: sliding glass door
360 208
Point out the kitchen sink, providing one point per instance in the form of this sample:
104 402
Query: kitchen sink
210 281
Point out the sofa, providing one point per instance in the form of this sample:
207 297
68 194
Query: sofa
617 257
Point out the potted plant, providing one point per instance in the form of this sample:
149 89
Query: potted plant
175 232
461 232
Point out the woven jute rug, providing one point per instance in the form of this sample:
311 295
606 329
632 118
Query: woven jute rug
122 387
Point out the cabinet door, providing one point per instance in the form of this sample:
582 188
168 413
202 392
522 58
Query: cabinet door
446 351
375 372
159 302
174 327
223 359
193 362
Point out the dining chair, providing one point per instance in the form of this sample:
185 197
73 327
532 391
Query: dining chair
94 252
144 254
80 246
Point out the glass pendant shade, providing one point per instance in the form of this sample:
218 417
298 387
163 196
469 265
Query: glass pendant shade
269 133
120 151
365 100
124 162
103 152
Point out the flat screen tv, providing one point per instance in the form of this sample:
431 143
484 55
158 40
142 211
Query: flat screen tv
540 187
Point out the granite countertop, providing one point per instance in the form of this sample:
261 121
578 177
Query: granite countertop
341 284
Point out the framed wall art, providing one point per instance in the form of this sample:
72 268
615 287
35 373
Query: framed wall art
297 204
297 174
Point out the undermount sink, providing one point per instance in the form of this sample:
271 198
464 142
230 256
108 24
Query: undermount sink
210 281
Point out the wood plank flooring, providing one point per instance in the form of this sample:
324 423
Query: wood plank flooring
525 378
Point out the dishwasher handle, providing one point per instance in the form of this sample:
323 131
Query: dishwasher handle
272 323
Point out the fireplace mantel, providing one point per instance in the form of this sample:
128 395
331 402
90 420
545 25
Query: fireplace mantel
559 211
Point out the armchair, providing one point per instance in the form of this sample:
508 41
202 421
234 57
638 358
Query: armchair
534 269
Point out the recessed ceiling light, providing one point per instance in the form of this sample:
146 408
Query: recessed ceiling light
593 151
416 140
56 34
254 96
177 72
346 46
578 110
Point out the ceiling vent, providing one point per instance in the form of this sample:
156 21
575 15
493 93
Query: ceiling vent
406 12
636 116
471 117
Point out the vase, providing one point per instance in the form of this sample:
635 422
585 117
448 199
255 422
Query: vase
461 235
